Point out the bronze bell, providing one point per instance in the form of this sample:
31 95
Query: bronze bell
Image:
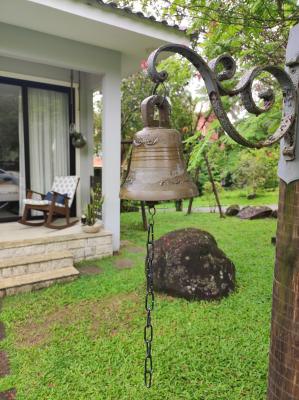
157 169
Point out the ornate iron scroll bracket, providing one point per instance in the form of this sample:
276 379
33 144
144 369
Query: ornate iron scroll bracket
216 90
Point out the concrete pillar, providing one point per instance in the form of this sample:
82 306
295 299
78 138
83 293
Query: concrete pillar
84 156
111 139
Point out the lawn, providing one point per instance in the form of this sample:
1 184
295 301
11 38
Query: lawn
229 197
84 340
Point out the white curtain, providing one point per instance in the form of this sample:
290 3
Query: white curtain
49 137
22 174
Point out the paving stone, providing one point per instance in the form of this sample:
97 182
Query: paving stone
2 331
90 270
124 263
4 364
8 394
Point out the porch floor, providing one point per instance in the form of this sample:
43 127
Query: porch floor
14 232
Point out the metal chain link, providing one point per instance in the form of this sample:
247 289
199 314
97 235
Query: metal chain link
149 298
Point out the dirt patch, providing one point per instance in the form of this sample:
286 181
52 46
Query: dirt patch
2 331
4 364
135 250
8 394
89 270
124 263
108 316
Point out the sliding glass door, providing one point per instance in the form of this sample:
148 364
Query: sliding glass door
12 161
34 141
48 137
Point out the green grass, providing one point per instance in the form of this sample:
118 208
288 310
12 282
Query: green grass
84 340
229 197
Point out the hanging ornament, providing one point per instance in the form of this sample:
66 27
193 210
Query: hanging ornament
157 171
78 139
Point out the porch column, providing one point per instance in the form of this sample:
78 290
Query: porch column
111 138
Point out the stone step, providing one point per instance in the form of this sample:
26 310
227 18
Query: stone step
18 266
34 281
81 245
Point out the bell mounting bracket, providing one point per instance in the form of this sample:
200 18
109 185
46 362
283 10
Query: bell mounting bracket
213 82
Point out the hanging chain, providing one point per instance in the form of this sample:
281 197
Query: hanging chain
149 298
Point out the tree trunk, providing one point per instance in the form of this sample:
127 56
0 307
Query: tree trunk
143 213
213 185
190 206
284 360
179 205
196 175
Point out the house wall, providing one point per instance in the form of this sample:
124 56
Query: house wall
36 56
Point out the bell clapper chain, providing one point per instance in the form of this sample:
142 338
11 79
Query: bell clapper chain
149 297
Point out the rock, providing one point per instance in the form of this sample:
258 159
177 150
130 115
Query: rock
274 213
232 210
251 196
189 264
255 212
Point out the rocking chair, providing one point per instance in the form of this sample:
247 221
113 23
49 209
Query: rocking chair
53 204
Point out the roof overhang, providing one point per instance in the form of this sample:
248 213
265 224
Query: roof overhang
87 22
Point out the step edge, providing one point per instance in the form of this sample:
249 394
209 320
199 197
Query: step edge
42 277
54 239
11 262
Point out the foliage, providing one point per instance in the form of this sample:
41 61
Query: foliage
97 122
83 340
208 190
138 86
235 196
257 169
254 32
93 209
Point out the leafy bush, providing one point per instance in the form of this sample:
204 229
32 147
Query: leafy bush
257 169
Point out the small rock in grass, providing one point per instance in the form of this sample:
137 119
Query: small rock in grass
251 196
189 264
274 214
250 212
232 210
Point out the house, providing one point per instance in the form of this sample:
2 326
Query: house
41 42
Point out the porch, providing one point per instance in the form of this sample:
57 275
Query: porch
32 258
44 42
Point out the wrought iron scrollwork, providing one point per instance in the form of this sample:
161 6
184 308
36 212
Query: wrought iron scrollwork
244 88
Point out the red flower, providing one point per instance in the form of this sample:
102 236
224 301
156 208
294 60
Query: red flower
144 64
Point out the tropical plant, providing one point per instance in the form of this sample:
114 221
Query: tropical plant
92 210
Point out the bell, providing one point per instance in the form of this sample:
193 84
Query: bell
157 169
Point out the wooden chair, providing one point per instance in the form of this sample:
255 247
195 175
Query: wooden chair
57 203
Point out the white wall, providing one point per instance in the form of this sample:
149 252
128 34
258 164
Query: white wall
111 153
29 45
84 157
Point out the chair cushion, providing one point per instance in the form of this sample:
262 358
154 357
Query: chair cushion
66 184
59 198
34 202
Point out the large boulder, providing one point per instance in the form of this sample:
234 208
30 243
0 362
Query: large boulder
232 210
255 212
189 264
